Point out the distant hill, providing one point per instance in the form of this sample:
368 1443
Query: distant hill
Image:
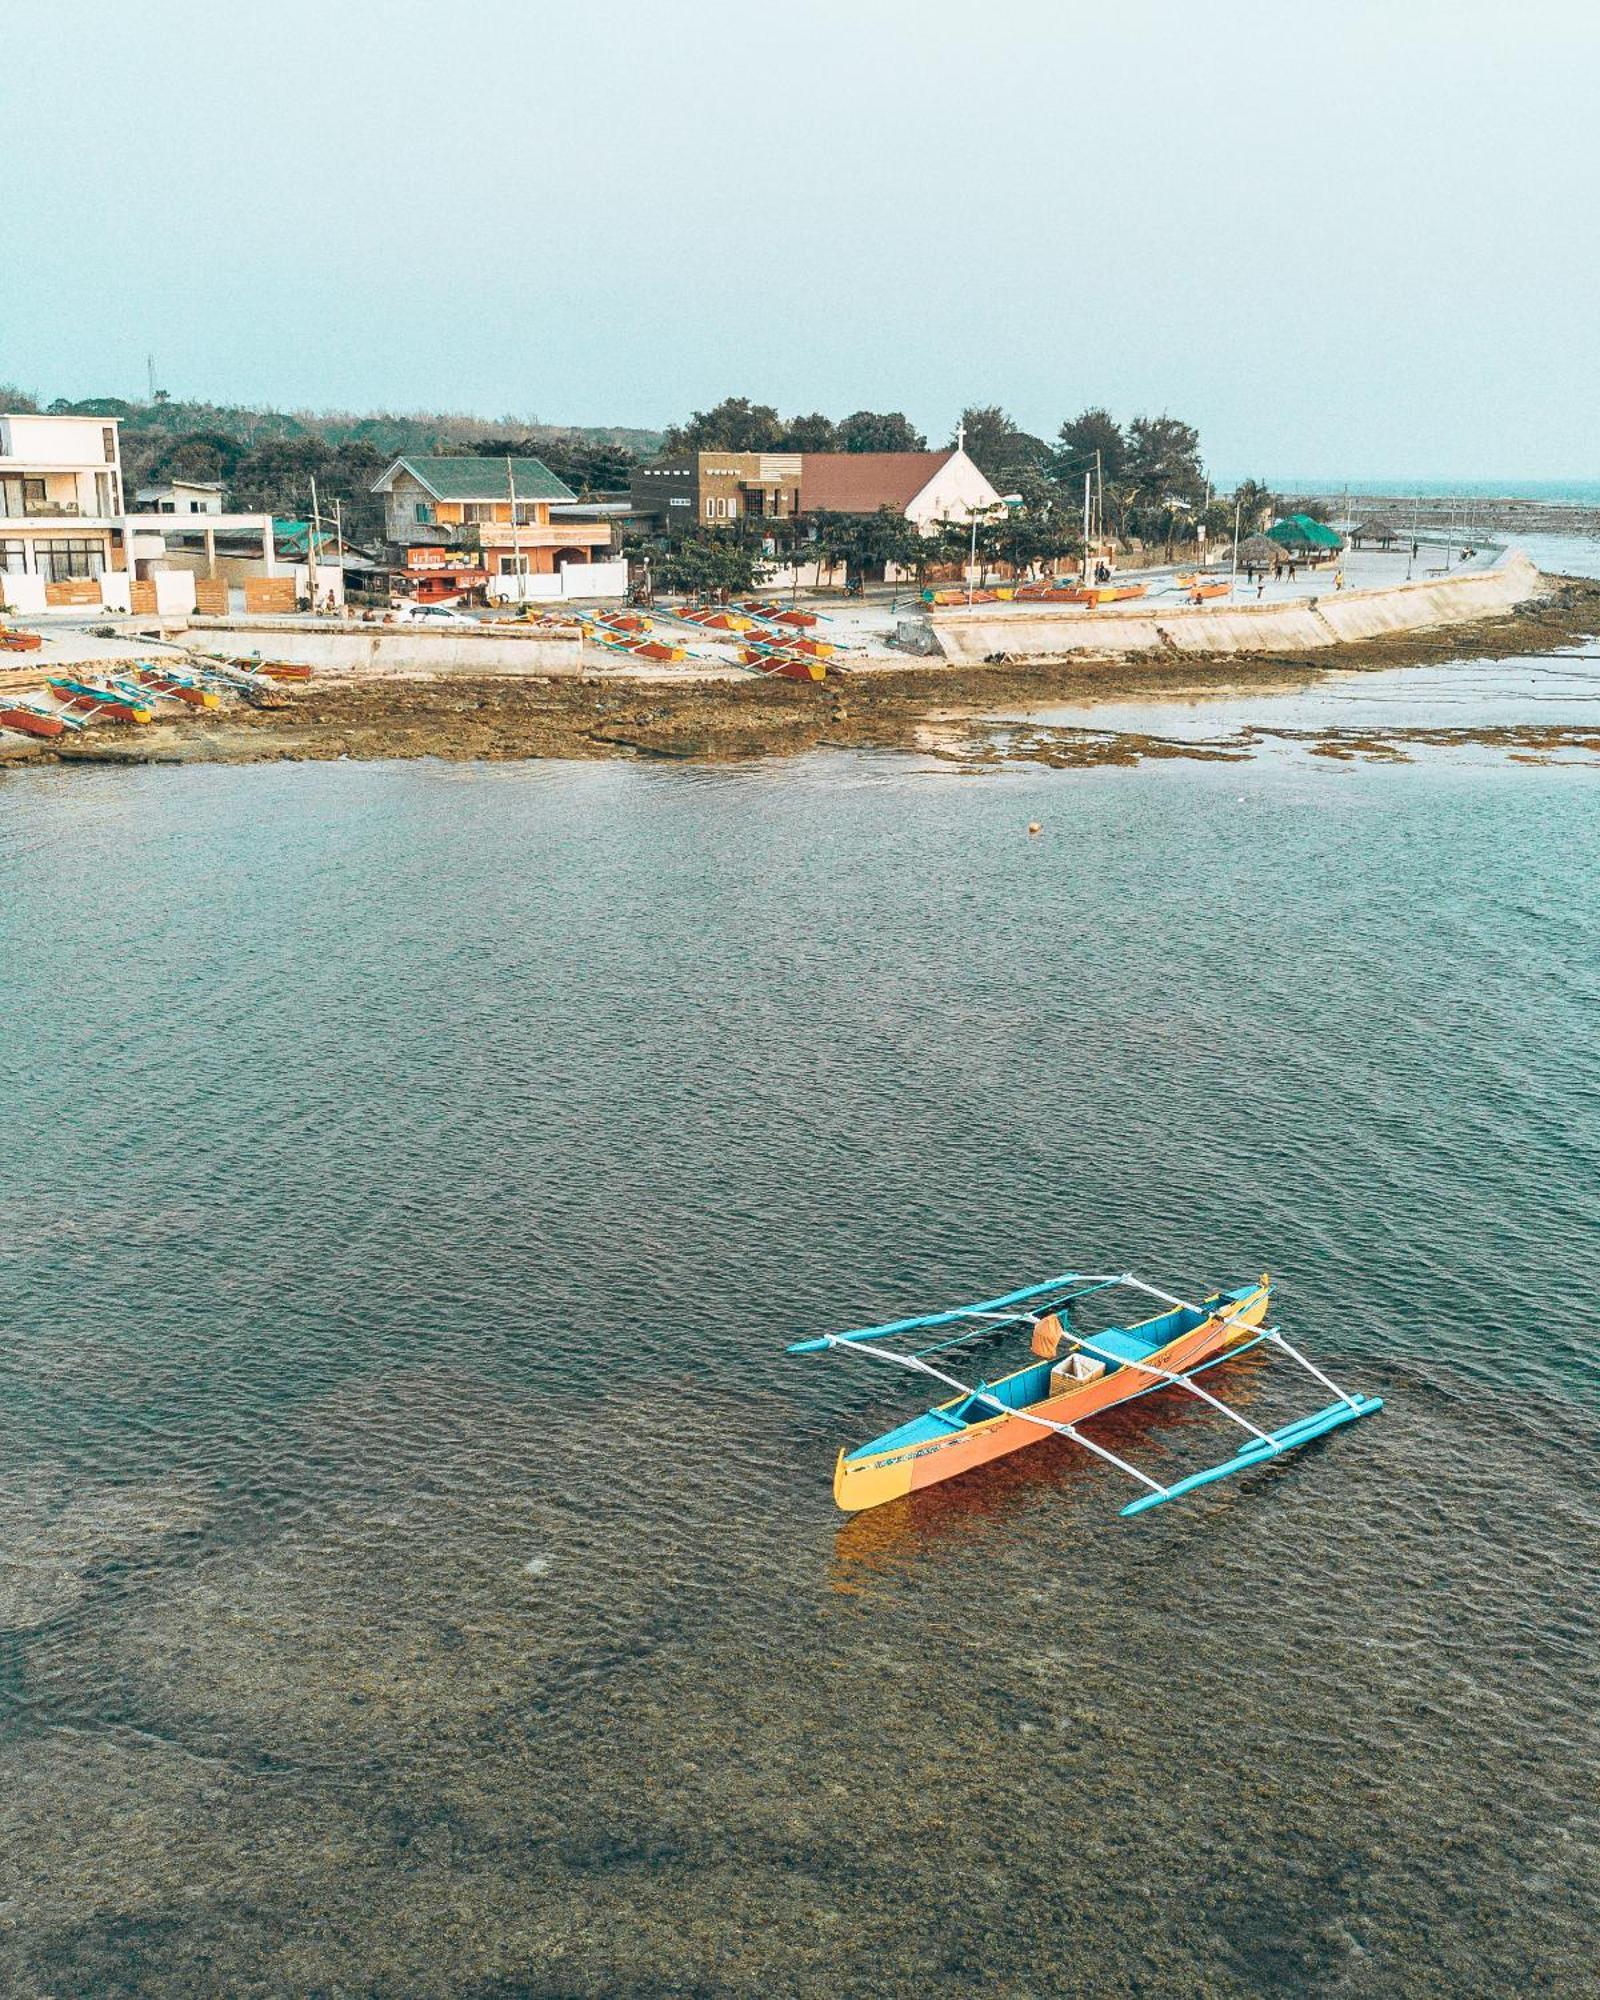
392 432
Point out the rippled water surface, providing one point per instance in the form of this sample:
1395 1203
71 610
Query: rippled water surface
419 1573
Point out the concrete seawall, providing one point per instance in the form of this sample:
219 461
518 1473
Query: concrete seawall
376 651
1028 632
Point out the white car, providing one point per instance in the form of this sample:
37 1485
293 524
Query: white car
408 613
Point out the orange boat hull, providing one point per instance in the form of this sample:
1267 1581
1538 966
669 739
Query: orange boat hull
892 1474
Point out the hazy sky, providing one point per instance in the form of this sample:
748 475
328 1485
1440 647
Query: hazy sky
1365 245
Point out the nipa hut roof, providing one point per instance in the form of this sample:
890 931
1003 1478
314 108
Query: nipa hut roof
1376 530
1259 550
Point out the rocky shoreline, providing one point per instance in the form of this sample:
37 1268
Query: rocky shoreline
944 710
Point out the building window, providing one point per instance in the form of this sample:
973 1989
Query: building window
108 444
195 507
168 507
478 510
424 513
66 556
14 558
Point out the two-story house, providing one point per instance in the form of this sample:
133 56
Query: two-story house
60 497
716 489
467 503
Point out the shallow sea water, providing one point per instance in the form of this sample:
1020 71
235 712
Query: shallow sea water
419 1573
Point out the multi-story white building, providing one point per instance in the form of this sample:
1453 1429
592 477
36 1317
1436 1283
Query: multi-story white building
60 497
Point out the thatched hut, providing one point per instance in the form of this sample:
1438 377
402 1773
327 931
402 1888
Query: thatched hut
1260 552
1376 534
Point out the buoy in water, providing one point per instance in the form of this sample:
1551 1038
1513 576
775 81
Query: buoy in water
1034 827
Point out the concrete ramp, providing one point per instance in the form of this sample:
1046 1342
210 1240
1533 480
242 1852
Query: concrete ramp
1334 618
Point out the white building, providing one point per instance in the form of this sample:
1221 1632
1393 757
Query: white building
60 497
181 496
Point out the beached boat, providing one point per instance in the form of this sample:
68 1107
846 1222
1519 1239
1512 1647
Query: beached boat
181 687
28 720
1074 1376
286 670
13 641
114 704
779 663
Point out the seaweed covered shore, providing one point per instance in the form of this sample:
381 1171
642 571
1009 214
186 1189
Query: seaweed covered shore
925 708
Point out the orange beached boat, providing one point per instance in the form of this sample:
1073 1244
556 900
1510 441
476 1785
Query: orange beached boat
1073 1377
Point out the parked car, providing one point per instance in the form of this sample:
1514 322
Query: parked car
406 612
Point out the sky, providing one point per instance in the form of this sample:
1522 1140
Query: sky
1352 242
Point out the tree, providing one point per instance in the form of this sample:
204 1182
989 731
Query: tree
735 424
873 430
715 565
813 433
1037 532
1316 510
1002 451
1091 443
586 464
1163 462
1257 506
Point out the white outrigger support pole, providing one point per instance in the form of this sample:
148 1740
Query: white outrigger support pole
1178 1381
1003 1409
1274 1335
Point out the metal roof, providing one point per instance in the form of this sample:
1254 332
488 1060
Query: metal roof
1299 531
860 482
479 478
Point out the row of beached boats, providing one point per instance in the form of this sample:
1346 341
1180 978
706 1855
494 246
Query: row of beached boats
132 695
776 641
1197 587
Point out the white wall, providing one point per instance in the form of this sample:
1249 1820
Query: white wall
571 580
116 590
535 588
174 592
329 577
57 440
21 593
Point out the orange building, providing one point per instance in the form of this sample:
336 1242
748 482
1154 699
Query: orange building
466 504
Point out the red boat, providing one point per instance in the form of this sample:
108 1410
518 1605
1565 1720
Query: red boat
32 722
12 641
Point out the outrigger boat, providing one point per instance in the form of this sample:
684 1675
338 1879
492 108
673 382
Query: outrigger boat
118 705
1074 1377
180 686
30 719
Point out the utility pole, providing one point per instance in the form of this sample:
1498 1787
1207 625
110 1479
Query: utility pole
150 372
516 543
1086 568
1099 497
311 549
1235 584
338 541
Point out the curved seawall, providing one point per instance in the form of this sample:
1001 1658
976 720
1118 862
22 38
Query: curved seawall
1022 631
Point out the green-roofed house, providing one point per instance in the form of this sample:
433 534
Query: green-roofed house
466 502
1300 535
